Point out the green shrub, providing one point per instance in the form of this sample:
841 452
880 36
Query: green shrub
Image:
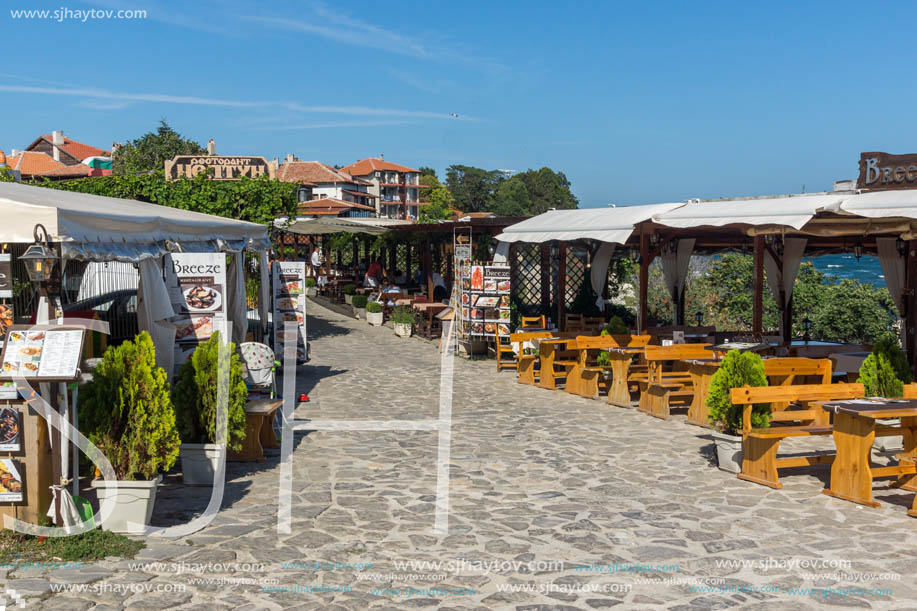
878 377
310 283
350 288
374 307
737 370
403 315
127 413
195 396
359 301
603 359
615 326
889 346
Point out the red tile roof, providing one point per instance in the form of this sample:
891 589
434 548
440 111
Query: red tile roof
77 150
359 194
31 163
328 205
313 172
364 167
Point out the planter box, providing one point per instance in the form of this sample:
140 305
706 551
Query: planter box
728 452
348 299
199 462
375 318
133 502
360 313
402 330
311 291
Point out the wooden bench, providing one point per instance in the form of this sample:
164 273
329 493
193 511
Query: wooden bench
526 364
661 389
759 445
591 373
259 431
551 355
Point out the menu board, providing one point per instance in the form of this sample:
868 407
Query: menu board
289 303
7 389
197 290
44 354
12 483
485 294
10 430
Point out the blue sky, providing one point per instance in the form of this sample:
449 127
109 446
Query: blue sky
635 102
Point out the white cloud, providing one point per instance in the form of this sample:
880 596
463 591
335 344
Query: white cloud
338 125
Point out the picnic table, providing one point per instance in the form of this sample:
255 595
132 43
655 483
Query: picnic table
701 372
428 322
259 431
548 350
855 429
618 388
741 347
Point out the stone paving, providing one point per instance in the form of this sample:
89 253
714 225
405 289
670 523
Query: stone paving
541 482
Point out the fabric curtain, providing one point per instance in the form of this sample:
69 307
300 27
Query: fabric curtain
893 265
599 271
264 301
154 312
784 278
675 270
502 253
238 303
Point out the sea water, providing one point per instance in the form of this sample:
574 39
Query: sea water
865 269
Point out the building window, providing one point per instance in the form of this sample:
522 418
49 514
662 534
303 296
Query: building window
302 194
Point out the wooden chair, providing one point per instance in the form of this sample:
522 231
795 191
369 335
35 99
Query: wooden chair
591 373
663 388
533 322
526 364
506 356
759 445
573 322
594 323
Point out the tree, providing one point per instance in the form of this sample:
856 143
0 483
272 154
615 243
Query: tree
512 198
439 198
547 189
6 175
473 188
150 151
427 171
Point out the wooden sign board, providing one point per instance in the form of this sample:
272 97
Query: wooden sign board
885 172
219 168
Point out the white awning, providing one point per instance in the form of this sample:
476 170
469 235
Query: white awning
791 211
882 204
612 225
319 225
104 228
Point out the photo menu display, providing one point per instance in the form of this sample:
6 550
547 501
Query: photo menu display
289 303
485 294
197 287
44 354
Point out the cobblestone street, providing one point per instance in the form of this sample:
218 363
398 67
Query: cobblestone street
542 482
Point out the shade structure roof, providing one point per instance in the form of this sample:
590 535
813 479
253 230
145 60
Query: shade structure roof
882 204
613 225
788 211
92 227
327 225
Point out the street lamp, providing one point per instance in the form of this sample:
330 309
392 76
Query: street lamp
700 318
806 326
39 258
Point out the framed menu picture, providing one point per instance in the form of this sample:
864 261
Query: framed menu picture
197 290
12 481
10 429
47 353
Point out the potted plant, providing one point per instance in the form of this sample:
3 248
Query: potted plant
311 290
194 395
127 413
738 369
359 305
877 375
403 321
349 289
374 314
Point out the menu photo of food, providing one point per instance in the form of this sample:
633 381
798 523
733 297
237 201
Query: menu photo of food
490 286
12 484
6 317
504 301
477 313
290 316
490 328
503 286
287 303
23 353
201 295
477 278
10 430
487 302
491 314
290 284
504 314
194 328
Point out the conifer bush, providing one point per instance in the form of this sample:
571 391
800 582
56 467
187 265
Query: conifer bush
195 396
878 377
126 411
738 369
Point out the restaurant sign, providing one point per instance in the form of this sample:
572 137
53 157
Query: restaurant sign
220 168
882 171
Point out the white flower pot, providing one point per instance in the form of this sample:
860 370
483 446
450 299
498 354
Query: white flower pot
348 299
360 313
311 291
199 463
728 451
375 318
133 502
402 329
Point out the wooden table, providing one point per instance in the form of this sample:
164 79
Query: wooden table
701 371
855 429
618 388
259 431
428 322
547 352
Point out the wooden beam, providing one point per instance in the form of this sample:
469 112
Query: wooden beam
910 304
645 260
561 284
355 253
758 316
428 267
545 278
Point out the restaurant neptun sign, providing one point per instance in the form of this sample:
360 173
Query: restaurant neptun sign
219 168
882 171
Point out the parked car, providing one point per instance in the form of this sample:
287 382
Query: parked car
117 308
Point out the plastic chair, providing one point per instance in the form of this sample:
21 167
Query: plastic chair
259 367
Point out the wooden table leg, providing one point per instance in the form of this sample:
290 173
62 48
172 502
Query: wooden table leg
851 474
618 393
267 437
701 375
251 446
526 369
546 375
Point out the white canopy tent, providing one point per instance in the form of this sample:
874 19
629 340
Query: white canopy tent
320 225
613 225
788 211
94 228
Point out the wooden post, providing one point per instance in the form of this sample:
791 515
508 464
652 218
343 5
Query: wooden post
428 267
327 257
546 278
355 254
788 321
392 259
561 283
644 280
910 306
758 315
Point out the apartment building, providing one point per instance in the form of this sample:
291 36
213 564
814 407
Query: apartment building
320 181
396 187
